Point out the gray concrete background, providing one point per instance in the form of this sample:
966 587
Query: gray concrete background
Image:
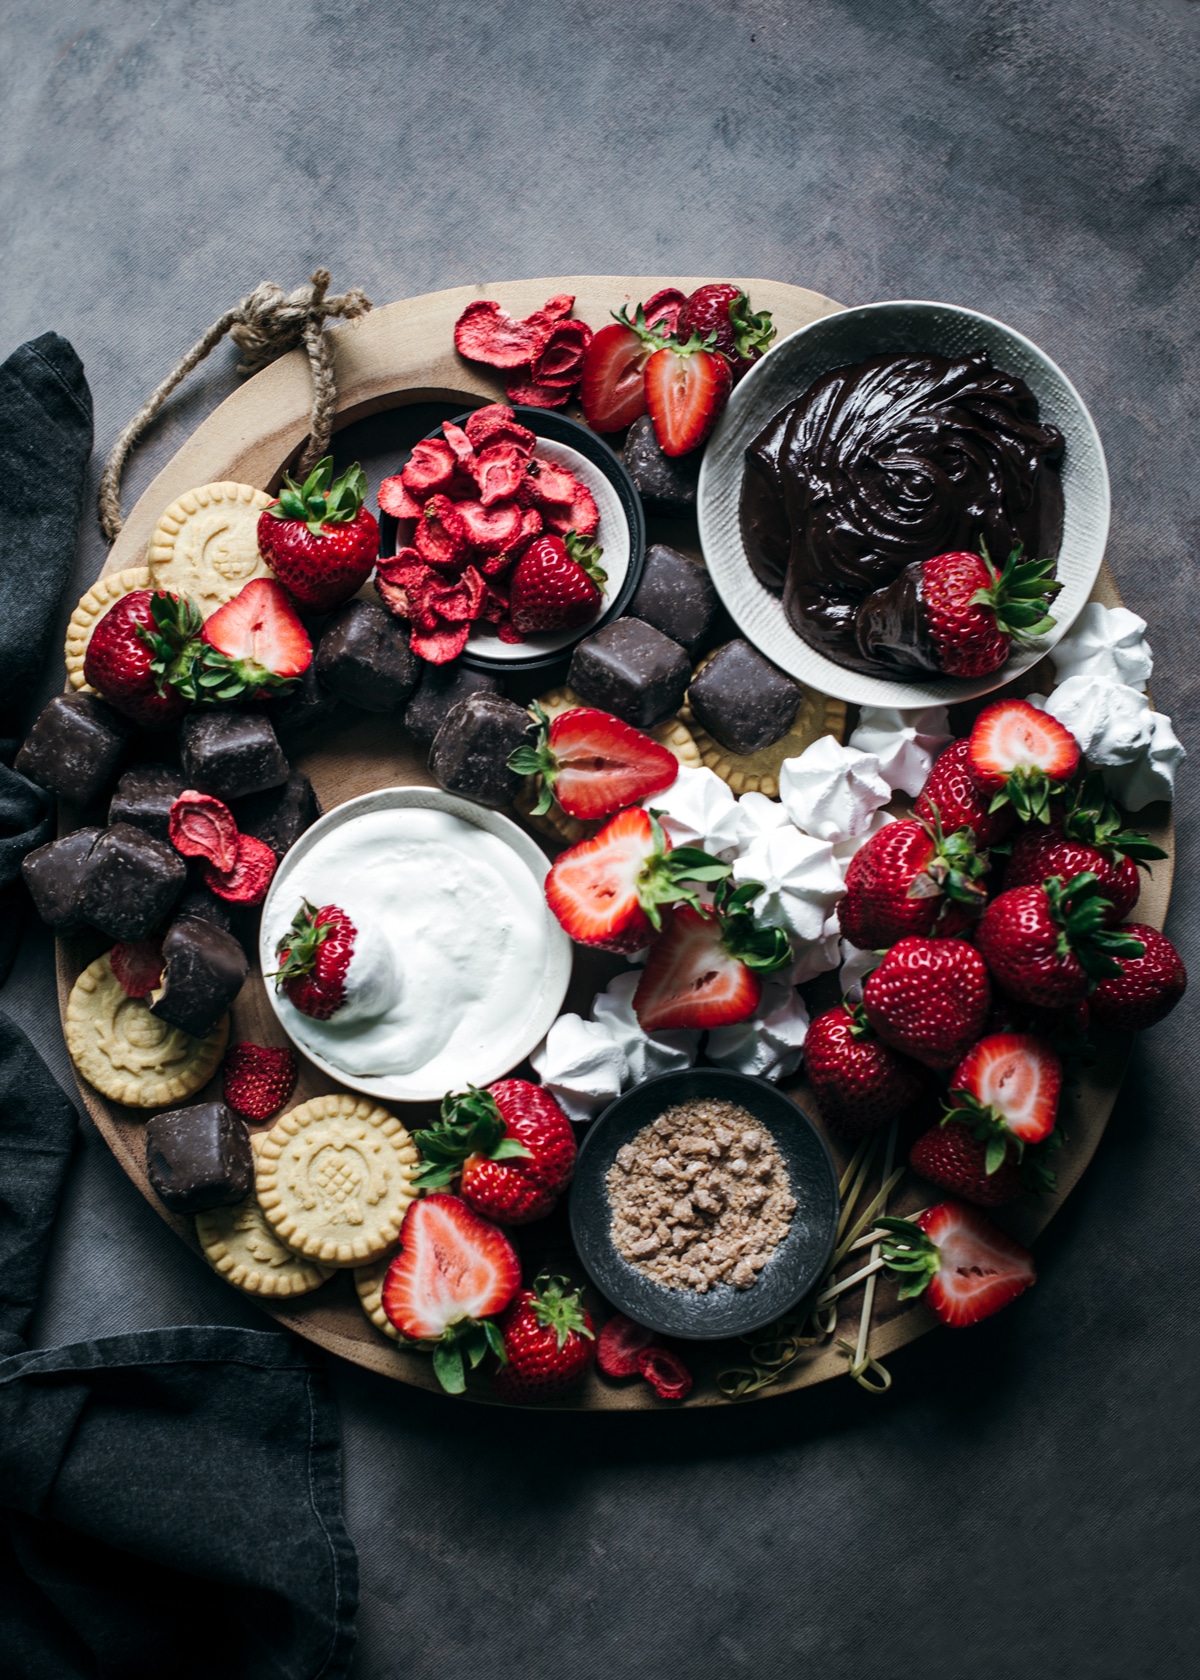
1025 1500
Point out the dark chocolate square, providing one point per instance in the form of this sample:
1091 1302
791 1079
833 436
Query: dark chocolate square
231 753
74 748
632 670
364 657
144 798
441 687
199 1157
667 483
204 969
279 815
743 700
131 882
55 875
471 750
676 595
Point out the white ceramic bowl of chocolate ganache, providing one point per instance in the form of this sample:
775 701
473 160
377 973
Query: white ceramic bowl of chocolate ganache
459 965
840 340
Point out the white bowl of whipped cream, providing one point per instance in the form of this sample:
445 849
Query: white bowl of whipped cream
459 967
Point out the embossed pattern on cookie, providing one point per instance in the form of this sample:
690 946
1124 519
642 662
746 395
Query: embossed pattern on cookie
127 1053
334 1177
206 544
91 609
238 1243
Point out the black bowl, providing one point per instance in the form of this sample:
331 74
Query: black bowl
795 1267
558 428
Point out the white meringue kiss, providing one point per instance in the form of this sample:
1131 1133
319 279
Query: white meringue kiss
844 850
856 965
646 1054
818 956
699 809
905 742
771 1043
800 878
585 1065
1152 774
758 815
831 791
1105 642
1110 721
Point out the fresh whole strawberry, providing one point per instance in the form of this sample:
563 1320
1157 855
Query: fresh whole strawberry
318 538
1047 944
253 644
954 1158
860 1082
705 968
548 1339
259 1079
687 386
607 891
910 878
592 763
453 1274
1021 756
966 1267
141 651
511 1146
721 315
314 958
1089 836
619 1344
556 585
613 387
929 999
1148 986
951 798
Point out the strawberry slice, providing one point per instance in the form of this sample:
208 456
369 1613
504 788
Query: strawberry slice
496 423
1021 756
666 1373
606 891
397 499
687 386
613 388
491 529
257 642
619 1344
454 1271
705 969
1008 1083
431 467
966 1267
593 763
137 965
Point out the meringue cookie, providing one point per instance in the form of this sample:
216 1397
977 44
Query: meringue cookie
844 850
699 809
1152 774
905 742
820 955
581 1066
856 965
758 815
800 878
1110 721
1105 642
831 791
646 1054
771 1043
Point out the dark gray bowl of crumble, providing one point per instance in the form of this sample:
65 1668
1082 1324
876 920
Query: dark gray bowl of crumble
704 1204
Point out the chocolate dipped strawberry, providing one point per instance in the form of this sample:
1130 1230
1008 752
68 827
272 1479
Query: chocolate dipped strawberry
318 538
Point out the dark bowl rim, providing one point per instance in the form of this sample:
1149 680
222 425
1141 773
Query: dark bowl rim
558 428
762 1087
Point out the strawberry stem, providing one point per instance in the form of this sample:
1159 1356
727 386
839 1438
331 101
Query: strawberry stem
1020 594
471 1124
320 499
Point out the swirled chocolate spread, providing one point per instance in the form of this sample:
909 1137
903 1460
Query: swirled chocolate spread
883 464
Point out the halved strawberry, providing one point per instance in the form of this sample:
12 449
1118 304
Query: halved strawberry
454 1272
687 386
607 891
966 1267
705 968
592 763
1008 1084
257 641
1021 756
613 391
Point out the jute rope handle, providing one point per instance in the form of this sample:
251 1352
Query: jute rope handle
264 326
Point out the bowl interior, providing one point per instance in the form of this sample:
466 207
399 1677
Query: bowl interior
546 989
796 1265
622 536
847 337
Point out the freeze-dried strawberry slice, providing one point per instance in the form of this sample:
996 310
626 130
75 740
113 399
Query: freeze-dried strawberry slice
662 310
200 826
440 646
441 535
666 1373
561 360
496 565
397 499
558 307
523 390
499 469
404 585
460 443
532 525
495 605
496 423
138 965
248 880
619 1344
491 529
259 1079
581 514
460 602
486 332
547 482
430 467
508 633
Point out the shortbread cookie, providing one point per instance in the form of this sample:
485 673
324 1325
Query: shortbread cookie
240 1244
368 1281
206 544
758 772
555 824
88 614
334 1177
127 1053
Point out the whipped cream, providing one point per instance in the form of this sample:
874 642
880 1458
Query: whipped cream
856 965
452 927
698 809
771 1043
1151 776
905 742
800 878
1105 642
586 1065
831 791
844 850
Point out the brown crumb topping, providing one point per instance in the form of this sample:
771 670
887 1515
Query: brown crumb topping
700 1196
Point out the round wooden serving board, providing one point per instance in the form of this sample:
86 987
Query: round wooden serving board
395 356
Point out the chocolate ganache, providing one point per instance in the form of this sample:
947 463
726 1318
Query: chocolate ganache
883 464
